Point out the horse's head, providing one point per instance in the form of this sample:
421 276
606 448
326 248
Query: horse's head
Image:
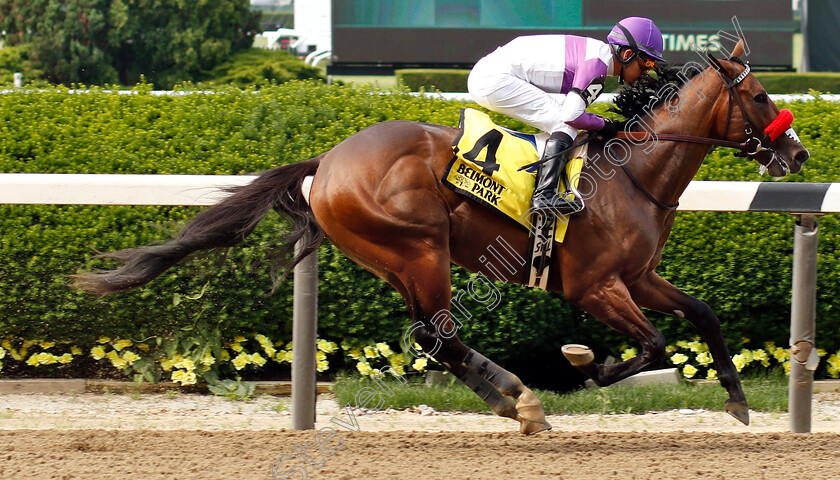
753 118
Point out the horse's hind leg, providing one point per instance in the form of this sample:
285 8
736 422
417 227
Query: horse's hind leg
427 288
657 294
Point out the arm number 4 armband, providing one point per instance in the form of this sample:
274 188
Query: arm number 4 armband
590 93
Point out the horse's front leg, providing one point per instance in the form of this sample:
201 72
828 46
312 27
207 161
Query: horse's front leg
656 293
610 302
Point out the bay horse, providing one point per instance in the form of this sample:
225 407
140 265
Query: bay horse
378 197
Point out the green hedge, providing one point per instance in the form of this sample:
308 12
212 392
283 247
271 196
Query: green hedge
454 80
739 263
433 79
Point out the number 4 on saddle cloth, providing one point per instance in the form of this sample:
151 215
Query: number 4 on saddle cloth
485 168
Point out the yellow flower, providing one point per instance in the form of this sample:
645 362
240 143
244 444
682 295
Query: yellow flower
739 361
711 374
257 359
224 356
748 355
103 340
207 359
2 352
781 354
370 352
355 353
678 358
239 339
761 356
698 347
834 365
419 364
670 349
236 347
130 357
629 353
122 344
322 365
241 361
32 361
384 349
46 345
112 355
74 350
364 368
270 350
17 355
97 352
119 363
262 340
28 344
822 352
166 364
178 376
45 358
319 355
682 344
66 358
142 347
185 377
787 367
397 360
689 371
326 346
6 344
188 365
704 358
399 369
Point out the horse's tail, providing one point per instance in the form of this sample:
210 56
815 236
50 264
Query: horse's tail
223 225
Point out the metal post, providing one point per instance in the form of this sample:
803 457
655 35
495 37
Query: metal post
803 354
304 328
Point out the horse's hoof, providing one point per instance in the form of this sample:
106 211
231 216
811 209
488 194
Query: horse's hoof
739 410
578 355
528 427
531 415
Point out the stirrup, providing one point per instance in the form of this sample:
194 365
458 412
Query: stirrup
556 204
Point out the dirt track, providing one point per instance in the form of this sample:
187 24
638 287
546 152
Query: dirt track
199 437
82 454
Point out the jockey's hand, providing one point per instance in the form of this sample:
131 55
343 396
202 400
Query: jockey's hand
610 129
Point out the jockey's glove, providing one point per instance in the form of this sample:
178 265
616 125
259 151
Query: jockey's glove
610 129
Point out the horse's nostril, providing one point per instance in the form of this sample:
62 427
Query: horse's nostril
801 156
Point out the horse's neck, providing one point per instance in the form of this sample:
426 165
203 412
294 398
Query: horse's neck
670 166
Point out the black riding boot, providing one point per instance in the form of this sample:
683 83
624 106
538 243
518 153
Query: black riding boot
545 192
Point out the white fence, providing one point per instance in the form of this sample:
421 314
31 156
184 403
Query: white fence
803 199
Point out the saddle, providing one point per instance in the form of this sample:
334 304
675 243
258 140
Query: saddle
485 166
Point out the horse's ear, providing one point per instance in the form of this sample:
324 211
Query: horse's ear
739 49
715 62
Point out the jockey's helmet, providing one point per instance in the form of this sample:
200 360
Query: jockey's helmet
640 34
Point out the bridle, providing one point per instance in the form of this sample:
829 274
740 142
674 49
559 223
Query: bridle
752 147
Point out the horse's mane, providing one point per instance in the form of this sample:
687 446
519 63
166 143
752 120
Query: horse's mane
648 92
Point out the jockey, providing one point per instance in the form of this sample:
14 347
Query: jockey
547 81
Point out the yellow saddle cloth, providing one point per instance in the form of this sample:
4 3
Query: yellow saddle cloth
485 166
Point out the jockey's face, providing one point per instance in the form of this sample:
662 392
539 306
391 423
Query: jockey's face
640 66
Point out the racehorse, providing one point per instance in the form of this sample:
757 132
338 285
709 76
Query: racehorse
378 197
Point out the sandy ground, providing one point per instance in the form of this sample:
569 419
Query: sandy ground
194 436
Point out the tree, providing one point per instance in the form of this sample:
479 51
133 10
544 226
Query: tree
102 41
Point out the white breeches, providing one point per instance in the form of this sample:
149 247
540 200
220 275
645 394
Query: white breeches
516 98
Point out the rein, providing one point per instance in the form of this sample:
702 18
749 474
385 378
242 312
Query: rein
780 124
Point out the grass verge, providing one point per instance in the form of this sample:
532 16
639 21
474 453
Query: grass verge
765 393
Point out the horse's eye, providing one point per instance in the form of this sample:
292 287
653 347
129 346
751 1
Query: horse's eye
761 98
